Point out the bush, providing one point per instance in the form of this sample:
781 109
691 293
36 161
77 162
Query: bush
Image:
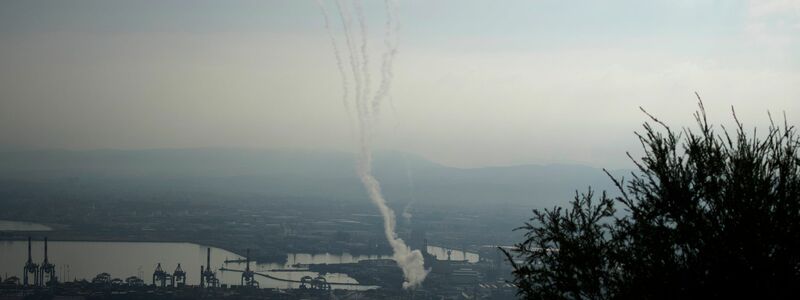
707 214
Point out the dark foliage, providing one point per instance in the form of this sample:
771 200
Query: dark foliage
708 214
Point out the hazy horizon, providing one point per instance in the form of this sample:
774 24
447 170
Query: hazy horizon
476 84
304 151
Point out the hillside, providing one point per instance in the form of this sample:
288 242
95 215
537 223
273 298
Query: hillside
209 173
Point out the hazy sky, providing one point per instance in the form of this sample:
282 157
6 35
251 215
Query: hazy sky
476 82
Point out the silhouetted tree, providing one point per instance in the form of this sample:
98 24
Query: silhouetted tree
706 214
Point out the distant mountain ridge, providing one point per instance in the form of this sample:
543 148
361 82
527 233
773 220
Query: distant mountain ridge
292 173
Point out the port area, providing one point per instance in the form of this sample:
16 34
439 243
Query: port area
89 290
382 272
446 279
80 290
270 228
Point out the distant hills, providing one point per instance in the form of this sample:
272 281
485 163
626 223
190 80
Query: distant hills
282 173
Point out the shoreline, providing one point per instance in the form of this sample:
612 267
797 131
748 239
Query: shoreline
61 233
24 238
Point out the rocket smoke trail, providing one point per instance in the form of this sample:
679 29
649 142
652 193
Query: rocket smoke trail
367 111
388 57
345 16
409 176
364 56
337 54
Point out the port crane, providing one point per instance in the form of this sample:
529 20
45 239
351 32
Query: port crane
248 276
30 268
207 277
47 271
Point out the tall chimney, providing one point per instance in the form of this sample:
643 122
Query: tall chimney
208 259
29 248
248 259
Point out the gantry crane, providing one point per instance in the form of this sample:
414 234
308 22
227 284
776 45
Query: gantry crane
30 268
248 276
207 277
47 271
161 276
179 276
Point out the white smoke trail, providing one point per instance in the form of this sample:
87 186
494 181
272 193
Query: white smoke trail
364 54
410 178
411 262
388 57
339 64
409 174
354 63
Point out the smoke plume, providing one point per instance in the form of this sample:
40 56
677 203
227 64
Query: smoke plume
410 178
367 111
